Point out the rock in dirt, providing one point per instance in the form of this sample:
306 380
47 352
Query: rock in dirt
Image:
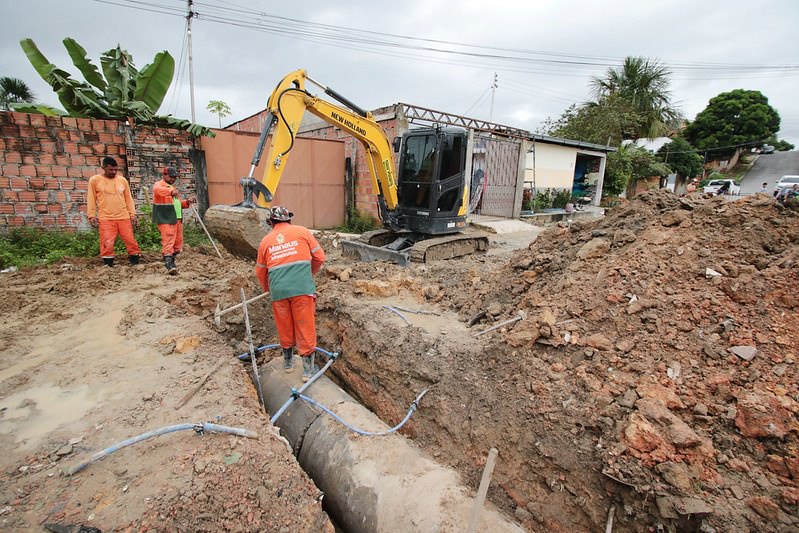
187 344
747 353
594 248
762 415
599 342
673 507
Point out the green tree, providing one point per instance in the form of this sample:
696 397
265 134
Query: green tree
682 159
629 164
733 119
603 122
220 108
14 91
643 84
121 91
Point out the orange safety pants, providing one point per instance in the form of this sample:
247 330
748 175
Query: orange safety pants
109 229
171 238
295 319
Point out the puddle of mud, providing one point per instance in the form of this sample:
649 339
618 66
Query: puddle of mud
32 413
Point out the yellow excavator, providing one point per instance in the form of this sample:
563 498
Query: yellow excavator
423 207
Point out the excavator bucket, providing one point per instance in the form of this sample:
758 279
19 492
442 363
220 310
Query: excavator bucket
239 229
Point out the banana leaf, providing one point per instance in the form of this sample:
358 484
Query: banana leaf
154 80
37 59
38 109
78 98
86 67
120 74
183 124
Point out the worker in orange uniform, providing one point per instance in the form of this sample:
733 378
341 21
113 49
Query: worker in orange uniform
168 216
110 208
287 259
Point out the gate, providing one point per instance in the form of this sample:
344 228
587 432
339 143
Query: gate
496 162
312 185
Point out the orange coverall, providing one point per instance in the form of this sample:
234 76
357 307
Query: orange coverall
110 200
288 256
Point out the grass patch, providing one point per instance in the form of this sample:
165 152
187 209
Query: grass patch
357 222
28 246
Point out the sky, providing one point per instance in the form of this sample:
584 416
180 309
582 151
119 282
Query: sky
429 53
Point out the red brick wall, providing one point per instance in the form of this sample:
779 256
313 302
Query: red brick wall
46 162
365 199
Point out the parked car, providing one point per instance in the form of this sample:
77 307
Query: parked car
714 186
767 149
786 181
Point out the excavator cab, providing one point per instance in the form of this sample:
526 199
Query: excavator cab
430 181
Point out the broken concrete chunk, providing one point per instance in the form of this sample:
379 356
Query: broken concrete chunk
747 353
710 273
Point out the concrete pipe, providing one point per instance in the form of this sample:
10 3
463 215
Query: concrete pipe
370 483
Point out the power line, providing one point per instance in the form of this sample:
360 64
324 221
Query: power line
341 36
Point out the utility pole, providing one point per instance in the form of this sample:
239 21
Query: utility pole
493 90
190 16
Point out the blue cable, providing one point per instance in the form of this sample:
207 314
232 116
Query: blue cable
414 405
198 427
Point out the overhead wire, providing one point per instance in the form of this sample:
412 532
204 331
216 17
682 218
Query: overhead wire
380 42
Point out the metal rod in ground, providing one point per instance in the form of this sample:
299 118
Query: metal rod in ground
398 314
200 220
609 524
415 311
251 348
474 518
520 316
302 389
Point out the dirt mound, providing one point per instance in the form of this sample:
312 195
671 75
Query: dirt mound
665 336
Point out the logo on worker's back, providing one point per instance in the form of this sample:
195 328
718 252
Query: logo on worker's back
280 238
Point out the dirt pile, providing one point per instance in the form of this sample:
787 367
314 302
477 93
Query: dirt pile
665 335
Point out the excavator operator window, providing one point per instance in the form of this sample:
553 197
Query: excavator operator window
418 170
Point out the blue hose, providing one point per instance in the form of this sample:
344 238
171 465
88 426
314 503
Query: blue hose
198 427
414 405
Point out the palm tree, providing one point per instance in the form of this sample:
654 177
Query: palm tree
220 108
644 85
13 91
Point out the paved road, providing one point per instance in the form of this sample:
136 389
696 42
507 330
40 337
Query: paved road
770 168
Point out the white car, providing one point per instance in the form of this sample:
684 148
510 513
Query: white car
786 182
714 186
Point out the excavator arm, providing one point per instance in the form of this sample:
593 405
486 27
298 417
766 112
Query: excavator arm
287 105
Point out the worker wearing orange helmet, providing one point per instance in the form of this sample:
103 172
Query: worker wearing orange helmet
288 257
168 216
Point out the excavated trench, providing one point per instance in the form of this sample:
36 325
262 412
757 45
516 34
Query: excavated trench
371 483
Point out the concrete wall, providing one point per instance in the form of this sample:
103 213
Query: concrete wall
46 163
554 166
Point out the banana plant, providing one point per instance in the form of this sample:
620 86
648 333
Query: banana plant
119 92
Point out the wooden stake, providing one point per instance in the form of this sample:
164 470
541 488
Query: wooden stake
482 491
197 387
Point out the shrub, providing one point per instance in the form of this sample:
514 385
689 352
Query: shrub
562 197
542 200
358 222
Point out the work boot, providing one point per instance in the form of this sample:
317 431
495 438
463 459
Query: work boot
134 259
308 368
108 261
169 263
288 360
